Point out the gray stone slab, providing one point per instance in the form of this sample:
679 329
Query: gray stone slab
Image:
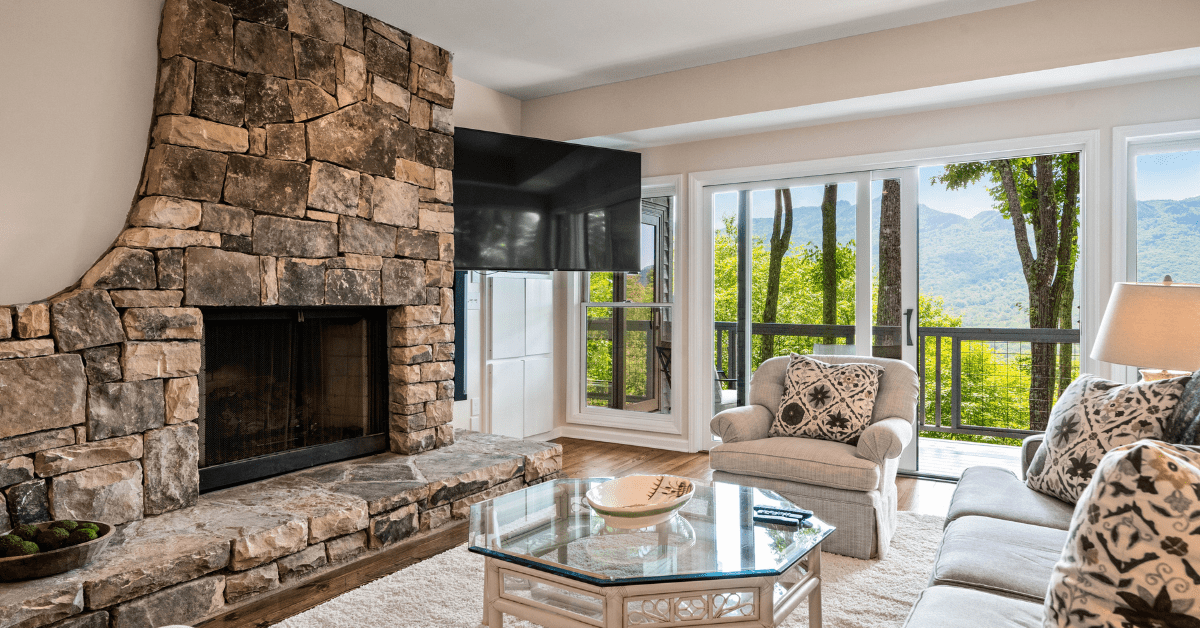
41 394
183 604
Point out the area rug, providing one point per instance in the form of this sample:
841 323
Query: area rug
446 591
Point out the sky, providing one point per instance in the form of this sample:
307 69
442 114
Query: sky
1174 176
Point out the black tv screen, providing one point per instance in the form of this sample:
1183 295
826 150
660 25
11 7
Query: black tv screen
528 204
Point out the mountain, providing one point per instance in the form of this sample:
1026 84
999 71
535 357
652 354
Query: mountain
1168 240
973 263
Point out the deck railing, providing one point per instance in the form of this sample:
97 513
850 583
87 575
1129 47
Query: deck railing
974 380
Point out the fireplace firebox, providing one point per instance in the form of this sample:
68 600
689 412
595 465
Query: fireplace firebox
284 389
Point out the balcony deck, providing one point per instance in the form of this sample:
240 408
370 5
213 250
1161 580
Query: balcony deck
947 458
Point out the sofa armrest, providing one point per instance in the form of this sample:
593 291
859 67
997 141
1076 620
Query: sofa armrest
884 440
742 423
1029 448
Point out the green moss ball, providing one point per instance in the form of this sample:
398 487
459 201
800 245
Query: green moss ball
52 538
81 535
10 540
26 548
90 526
27 532
65 524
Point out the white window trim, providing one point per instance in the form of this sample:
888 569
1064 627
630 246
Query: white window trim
578 412
1094 253
1129 142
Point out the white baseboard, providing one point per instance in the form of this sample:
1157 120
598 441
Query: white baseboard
638 439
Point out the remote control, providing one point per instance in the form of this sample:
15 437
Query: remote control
798 513
786 521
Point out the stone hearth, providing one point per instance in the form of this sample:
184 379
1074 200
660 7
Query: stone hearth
300 155
239 544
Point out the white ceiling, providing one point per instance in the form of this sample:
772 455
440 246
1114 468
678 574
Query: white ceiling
533 48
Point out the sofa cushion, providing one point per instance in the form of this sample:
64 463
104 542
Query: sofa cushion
1184 426
804 460
1092 416
1004 557
956 607
995 492
826 401
1133 554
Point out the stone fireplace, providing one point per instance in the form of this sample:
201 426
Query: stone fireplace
300 157
280 297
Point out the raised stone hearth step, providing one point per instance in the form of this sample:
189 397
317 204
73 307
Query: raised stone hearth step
237 544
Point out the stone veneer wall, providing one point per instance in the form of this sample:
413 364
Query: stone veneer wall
301 155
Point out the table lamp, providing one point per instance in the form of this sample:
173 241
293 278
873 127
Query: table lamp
1152 325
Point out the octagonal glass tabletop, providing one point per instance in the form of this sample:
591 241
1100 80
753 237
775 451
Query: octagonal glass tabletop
551 527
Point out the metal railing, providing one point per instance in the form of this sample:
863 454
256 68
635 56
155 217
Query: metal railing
996 369
983 397
598 390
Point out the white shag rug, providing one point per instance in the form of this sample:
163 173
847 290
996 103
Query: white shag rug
446 591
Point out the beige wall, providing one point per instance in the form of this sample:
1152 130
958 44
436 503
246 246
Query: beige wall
477 107
1022 38
78 79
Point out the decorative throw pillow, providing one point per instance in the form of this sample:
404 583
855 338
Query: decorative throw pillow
1092 416
826 401
1184 426
1132 556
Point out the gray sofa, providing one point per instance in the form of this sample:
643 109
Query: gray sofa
1000 544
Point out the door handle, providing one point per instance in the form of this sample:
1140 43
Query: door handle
908 316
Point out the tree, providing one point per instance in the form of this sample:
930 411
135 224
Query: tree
829 259
1039 195
887 300
781 239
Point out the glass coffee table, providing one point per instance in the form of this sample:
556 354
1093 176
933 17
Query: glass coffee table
552 561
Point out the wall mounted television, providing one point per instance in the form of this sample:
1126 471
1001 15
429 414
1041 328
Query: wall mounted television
529 204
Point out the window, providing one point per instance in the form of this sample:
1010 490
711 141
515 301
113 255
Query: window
627 317
1165 210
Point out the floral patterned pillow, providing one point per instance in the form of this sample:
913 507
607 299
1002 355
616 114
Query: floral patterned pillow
1092 416
826 401
1132 556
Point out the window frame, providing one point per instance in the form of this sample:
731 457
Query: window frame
578 412
1128 143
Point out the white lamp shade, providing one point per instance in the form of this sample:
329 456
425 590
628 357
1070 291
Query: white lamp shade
1151 325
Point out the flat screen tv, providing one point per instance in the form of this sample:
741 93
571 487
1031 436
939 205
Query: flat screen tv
528 204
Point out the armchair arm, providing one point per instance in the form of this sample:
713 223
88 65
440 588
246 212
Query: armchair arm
742 423
1029 449
884 440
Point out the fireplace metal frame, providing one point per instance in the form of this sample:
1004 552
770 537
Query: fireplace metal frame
261 467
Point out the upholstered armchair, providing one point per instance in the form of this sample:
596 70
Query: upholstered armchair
850 486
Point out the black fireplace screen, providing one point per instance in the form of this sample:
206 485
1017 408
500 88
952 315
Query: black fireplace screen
285 389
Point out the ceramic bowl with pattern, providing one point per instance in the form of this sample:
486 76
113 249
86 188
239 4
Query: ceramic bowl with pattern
638 501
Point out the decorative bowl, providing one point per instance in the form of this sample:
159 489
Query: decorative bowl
638 501
56 561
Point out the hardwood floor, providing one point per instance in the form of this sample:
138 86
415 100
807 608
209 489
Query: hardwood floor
581 459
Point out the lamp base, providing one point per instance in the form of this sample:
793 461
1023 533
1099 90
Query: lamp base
1153 375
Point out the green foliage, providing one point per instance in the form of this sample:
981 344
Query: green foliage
638 358
82 535
27 531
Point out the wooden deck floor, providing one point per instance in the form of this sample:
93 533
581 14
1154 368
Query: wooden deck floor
947 458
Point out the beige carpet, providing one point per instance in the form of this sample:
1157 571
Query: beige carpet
446 591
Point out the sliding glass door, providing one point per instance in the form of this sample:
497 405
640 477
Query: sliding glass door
810 266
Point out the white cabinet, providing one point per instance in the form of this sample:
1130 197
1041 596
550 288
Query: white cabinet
520 364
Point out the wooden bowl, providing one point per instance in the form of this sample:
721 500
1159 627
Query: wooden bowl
57 561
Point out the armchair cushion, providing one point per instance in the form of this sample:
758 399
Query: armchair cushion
742 423
827 401
803 460
885 440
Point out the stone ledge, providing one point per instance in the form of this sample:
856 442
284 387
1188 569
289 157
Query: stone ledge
234 530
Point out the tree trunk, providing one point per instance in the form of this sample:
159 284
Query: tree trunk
829 260
888 298
1066 359
781 239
